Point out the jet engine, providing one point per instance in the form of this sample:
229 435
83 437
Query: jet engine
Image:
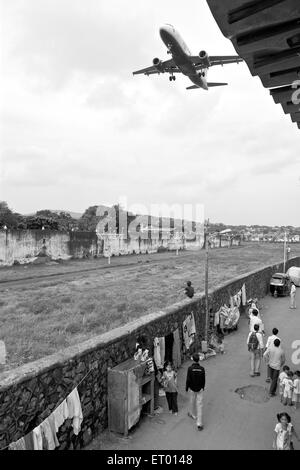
204 57
158 64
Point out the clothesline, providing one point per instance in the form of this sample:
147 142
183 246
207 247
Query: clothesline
6 447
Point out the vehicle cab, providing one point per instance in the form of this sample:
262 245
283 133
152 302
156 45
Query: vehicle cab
280 284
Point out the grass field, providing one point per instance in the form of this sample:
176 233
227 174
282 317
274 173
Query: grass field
40 316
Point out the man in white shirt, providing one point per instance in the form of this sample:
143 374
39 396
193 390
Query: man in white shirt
293 295
255 320
255 345
270 342
275 358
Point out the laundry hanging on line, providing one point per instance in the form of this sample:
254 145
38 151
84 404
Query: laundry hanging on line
159 352
43 436
244 297
189 330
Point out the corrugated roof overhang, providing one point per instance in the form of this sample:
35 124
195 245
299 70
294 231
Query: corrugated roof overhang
266 34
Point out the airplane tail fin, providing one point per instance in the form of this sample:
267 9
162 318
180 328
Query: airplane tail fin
210 84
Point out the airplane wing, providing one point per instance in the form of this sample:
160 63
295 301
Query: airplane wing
166 66
216 60
224 59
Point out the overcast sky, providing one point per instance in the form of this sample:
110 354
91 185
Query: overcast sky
78 129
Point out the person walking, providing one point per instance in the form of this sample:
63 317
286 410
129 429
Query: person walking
271 339
255 347
288 253
270 342
282 376
254 319
195 384
288 387
293 295
275 359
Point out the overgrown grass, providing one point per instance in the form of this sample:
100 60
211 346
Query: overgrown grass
40 318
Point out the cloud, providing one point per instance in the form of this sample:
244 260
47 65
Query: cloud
108 94
60 38
275 164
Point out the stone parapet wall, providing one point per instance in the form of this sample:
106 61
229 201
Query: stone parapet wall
28 394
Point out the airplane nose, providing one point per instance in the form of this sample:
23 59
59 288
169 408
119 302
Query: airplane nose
165 31
162 31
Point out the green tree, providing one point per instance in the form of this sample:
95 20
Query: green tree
9 218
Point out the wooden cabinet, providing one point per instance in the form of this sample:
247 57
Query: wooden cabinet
130 391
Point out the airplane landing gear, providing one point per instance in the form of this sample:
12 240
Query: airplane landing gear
171 77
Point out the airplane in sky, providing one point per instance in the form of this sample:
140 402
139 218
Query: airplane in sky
194 67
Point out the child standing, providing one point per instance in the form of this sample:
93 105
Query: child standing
288 388
283 433
282 375
169 380
296 389
220 339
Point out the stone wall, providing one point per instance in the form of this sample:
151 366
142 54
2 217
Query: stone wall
27 246
28 394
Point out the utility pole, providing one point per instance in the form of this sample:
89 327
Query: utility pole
206 279
207 240
284 252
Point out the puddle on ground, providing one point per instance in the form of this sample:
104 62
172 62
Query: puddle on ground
253 393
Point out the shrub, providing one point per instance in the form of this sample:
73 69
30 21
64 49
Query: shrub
73 328
121 307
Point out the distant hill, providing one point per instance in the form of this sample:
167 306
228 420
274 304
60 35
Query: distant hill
75 215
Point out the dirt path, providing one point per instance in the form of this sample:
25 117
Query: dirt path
230 422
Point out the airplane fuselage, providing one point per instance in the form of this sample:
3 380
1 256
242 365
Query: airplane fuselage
181 56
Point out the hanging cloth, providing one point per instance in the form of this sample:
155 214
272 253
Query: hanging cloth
75 411
238 299
176 349
29 441
149 366
185 327
49 435
192 325
60 414
244 297
37 438
162 350
159 352
217 318
189 330
169 341
18 445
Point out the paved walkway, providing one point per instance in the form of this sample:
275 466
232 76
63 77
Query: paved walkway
229 421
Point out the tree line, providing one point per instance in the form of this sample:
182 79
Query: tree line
53 220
